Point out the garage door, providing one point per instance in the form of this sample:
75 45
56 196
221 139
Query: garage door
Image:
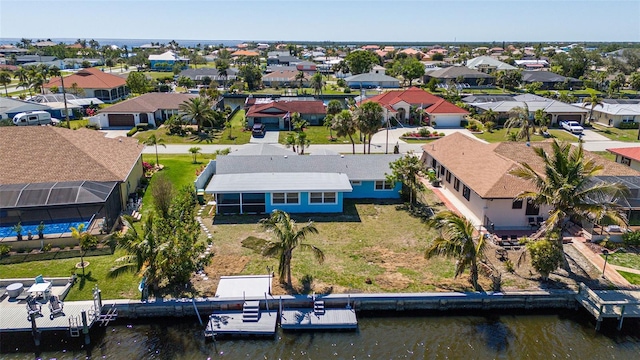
569 118
121 120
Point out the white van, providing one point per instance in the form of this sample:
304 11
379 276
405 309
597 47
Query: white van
32 118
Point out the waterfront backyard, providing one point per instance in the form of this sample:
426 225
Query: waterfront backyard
374 246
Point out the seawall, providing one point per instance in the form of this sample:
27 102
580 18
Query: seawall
526 300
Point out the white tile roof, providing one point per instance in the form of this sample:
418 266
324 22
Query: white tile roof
270 182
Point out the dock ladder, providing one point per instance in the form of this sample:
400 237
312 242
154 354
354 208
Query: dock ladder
111 315
318 306
75 325
251 311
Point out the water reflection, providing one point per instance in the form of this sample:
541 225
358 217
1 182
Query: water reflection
410 337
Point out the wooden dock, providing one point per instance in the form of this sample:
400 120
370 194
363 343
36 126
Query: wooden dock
231 323
617 304
308 319
14 318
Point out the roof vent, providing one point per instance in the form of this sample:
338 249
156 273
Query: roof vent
342 156
286 156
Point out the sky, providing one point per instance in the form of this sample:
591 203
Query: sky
325 20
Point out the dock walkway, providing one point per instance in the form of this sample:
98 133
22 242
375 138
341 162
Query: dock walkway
618 304
228 323
308 319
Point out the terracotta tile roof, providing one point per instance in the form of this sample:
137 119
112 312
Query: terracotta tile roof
445 107
279 108
289 75
485 167
34 154
149 102
91 78
417 97
632 153
245 53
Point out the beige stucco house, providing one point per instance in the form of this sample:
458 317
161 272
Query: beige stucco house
478 175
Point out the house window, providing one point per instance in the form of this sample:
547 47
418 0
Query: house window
356 182
517 204
384 185
625 161
448 176
285 198
442 170
433 163
466 192
456 184
628 118
532 209
322 198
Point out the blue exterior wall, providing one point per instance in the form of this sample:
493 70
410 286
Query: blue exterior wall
304 206
367 190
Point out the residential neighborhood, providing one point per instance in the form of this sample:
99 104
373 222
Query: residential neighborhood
254 178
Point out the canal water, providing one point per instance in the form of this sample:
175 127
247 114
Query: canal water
489 336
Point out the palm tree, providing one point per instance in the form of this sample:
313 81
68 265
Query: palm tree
300 77
456 240
154 141
86 240
54 71
592 101
519 118
489 115
198 109
369 119
316 83
194 151
5 79
328 123
288 236
290 142
541 119
566 184
344 125
144 252
302 142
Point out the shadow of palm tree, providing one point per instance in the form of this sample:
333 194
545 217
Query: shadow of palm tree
84 278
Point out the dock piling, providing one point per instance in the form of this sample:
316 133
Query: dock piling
85 328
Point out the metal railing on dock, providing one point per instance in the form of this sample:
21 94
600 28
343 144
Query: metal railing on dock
617 304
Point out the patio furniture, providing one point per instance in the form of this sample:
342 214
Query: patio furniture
539 220
15 289
55 306
502 254
40 289
532 222
33 308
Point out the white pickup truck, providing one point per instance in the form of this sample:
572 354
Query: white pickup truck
572 127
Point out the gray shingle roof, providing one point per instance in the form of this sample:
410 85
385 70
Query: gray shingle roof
356 167
292 181
371 77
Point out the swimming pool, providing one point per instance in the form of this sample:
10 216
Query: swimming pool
49 228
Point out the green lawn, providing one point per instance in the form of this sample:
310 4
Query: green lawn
96 273
238 133
500 135
320 135
179 169
76 124
372 247
625 259
631 277
630 135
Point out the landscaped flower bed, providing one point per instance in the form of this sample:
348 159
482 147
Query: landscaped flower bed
422 134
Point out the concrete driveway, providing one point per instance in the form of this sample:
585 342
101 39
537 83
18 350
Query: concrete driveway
270 137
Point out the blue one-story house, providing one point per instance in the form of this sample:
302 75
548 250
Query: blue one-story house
298 184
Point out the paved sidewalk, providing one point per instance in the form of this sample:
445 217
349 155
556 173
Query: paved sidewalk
610 273
625 269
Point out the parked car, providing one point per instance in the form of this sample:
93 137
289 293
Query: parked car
258 130
572 127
